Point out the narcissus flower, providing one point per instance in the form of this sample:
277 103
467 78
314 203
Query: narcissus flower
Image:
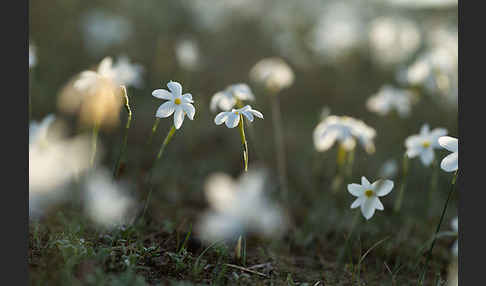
227 99
423 144
346 130
273 73
450 162
368 195
232 118
178 103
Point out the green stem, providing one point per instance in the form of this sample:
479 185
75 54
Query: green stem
243 141
398 201
343 251
279 144
125 137
159 155
342 154
94 141
429 254
433 180
154 129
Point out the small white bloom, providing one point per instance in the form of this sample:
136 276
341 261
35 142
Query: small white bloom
389 169
389 98
89 81
127 73
455 228
273 73
232 118
178 103
346 130
368 195
187 54
423 144
239 206
32 56
227 99
451 161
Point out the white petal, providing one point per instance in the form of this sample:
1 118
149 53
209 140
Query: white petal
450 163
232 120
162 94
178 117
449 143
438 132
424 130
427 156
355 189
412 152
257 113
175 87
104 67
364 182
214 101
368 208
378 204
165 110
324 140
248 115
357 202
221 117
188 97
382 187
189 110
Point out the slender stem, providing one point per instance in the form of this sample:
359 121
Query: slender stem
154 129
127 127
398 201
279 144
94 141
429 254
434 178
342 154
159 155
243 141
349 164
346 243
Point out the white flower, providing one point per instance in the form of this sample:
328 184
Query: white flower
32 56
178 103
450 162
89 81
227 99
127 73
346 130
187 54
455 228
38 131
232 118
422 4
423 144
239 206
273 73
368 194
106 201
389 98
389 169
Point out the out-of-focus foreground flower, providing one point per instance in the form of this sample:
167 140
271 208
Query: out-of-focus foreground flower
179 104
272 73
32 56
54 161
230 96
368 195
451 162
238 207
346 130
423 144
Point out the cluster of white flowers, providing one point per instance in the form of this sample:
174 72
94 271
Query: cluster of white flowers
228 98
389 98
346 130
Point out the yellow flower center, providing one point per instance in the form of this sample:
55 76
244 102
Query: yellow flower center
426 144
177 101
369 193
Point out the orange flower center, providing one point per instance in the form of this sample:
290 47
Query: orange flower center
177 101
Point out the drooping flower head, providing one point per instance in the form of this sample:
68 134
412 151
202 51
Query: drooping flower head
423 144
368 195
451 162
227 99
177 103
273 73
389 98
232 118
346 130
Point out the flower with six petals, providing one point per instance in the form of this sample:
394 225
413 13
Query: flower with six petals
368 195
179 104
232 118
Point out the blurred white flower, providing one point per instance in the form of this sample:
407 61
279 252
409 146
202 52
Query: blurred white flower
389 169
389 98
232 118
178 103
32 56
451 162
227 99
346 130
106 202
393 39
54 161
126 73
272 73
421 4
238 207
188 55
455 228
423 144
89 81
368 195
101 30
